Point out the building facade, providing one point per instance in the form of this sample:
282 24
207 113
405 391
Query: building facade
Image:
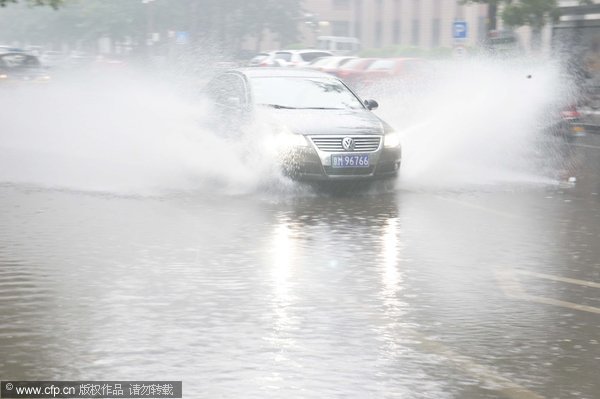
407 23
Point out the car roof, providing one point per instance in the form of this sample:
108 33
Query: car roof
281 72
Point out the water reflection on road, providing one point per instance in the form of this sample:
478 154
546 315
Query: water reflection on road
412 293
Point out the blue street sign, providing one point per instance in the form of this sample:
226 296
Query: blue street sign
459 30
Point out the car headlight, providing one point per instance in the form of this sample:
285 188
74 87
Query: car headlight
287 140
391 140
3 76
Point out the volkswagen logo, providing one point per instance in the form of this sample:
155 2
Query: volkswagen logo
348 143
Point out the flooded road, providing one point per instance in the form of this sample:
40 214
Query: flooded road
134 245
490 291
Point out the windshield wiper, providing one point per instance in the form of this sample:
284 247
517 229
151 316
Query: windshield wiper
277 106
320 108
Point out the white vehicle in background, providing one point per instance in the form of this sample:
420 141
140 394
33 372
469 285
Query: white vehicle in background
339 45
263 60
296 58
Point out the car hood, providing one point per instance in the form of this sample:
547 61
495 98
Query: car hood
328 121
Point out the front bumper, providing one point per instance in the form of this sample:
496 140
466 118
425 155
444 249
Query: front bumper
312 164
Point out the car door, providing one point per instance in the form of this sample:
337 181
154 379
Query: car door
229 103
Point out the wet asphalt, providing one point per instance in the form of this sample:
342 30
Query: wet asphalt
485 292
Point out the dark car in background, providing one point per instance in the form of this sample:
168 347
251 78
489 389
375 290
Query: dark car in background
325 131
19 66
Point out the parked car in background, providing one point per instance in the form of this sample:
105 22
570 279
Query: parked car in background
263 60
21 67
352 71
570 124
329 64
295 58
388 69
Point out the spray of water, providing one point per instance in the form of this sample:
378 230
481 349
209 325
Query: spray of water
465 123
475 122
124 133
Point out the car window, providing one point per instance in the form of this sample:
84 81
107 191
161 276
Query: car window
354 63
344 61
283 56
303 93
309 56
226 90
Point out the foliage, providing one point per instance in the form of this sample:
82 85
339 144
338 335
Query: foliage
533 13
400 51
220 24
52 3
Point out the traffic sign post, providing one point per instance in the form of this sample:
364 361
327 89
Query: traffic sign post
459 30
459 51
459 34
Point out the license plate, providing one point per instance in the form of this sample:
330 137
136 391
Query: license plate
350 161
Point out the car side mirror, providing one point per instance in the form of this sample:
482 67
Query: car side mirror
371 104
233 102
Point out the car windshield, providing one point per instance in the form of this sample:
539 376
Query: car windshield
355 63
320 61
303 93
332 62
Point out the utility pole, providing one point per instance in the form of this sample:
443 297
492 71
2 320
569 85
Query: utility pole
148 36
492 16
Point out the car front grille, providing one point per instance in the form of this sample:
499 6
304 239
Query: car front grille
334 143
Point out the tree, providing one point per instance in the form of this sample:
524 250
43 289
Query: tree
220 26
533 13
52 3
492 11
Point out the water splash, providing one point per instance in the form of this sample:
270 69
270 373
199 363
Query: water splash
124 134
475 122
468 122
